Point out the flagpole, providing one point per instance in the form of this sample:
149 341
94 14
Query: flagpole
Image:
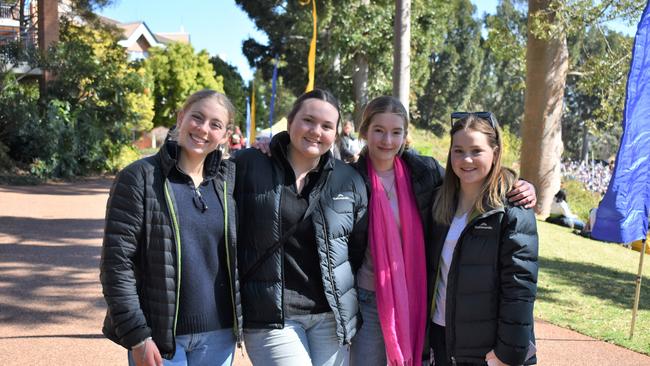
637 294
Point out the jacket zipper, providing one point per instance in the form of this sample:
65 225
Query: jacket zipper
454 262
232 283
330 271
177 239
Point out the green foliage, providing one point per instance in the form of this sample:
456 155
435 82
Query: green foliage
455 68
595 91
345 28
88 113
571 17
178 72
19 106
126 155
233 86
503 75
511 148
580 200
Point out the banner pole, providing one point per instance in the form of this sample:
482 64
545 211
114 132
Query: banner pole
637 294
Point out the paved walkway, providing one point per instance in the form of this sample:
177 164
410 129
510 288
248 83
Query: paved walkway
51 307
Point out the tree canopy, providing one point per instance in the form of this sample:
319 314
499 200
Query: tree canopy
177 72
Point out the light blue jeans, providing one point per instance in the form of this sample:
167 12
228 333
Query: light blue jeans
368 347
214 348
304 340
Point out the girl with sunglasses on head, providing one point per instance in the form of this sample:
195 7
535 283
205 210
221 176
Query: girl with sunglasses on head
392 281
300 241
483 256
168 267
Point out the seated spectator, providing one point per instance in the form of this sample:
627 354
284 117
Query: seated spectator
561 213
348 144
589 226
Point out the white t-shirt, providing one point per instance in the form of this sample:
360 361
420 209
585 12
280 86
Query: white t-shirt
561 208
456 228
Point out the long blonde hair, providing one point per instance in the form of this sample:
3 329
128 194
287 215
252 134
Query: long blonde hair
495 186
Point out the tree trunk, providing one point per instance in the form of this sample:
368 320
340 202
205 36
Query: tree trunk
546 71
360 81
48 34
360 86
402 51
22 24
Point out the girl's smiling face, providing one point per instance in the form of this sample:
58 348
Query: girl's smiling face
202 127
313 129
385 137
472 157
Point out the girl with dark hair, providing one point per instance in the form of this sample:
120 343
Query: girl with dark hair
299 241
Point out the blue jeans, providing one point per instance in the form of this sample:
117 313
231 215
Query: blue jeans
304 340
368 344
214 348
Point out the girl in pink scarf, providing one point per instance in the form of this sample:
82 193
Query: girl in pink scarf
394 269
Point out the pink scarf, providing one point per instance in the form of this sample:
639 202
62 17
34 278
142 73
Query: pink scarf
400 269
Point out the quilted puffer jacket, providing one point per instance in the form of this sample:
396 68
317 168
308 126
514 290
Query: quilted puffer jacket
491 286
140 265
341 201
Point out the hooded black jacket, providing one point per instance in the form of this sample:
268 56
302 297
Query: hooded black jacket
491 286
140 266
341 202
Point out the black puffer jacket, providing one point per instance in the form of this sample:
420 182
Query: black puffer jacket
491 286
139 265
426 176
341 201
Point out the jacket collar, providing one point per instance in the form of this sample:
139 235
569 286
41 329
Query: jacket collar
169 152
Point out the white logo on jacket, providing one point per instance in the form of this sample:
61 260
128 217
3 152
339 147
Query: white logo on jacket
342 197
483 226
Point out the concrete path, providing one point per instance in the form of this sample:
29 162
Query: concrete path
51 306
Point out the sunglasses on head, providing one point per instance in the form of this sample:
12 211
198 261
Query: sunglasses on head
488 116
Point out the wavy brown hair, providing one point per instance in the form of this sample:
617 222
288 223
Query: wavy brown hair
497 183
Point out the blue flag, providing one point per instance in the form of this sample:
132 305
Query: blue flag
273 91
622 215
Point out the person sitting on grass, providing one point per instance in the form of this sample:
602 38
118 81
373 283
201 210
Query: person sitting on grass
561 213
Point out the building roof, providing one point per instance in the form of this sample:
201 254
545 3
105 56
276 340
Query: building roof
133 31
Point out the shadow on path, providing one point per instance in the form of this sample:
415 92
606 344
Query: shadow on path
49 270
54 231
86 187
595 281
75 336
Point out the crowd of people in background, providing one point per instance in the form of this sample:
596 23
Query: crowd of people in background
595 176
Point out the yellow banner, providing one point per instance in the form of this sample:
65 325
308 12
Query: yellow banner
311 60
252 112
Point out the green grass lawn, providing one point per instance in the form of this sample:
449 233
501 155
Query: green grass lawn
588 286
